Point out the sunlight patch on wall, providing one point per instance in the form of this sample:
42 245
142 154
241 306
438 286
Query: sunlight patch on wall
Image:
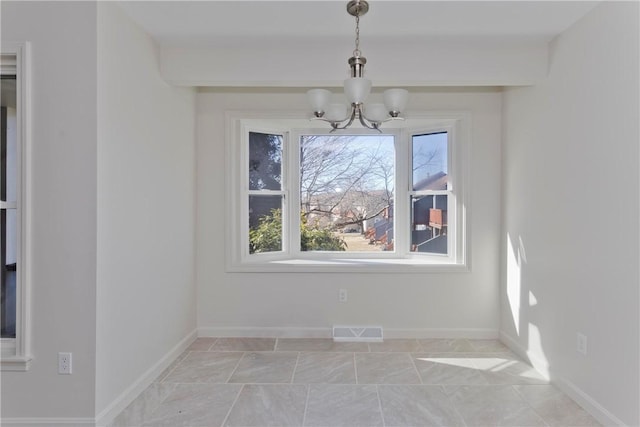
535 351
533 301
513 282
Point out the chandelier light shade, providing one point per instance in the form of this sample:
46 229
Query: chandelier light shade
357 88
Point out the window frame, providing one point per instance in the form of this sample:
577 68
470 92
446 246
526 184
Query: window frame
452 186
294 225
402 260
16 352
244 184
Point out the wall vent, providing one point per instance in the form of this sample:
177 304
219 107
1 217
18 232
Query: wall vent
357 333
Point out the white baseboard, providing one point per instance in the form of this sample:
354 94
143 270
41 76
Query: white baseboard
539 364
293 332
264 332
424 333
126 397
39 422
587 402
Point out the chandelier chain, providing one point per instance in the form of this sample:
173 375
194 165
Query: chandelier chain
357 52
356 89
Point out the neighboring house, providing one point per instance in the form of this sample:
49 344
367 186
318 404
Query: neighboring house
429 224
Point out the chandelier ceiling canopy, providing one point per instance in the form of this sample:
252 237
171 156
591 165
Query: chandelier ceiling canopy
357 89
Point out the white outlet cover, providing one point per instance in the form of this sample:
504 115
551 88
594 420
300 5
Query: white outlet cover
581 344
65 363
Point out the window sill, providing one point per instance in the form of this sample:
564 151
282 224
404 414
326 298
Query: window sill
15 363
350 265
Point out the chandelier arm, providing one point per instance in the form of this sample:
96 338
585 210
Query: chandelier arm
392 119
322 118
364 121
336 125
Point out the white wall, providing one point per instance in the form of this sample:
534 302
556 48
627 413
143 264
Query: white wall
466 62
454 303
146 208
571 213
63 207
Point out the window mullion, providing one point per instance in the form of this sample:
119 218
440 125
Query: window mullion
402 217
264 183
266 192
293 185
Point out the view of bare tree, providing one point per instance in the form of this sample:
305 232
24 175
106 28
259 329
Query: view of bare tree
347 185
428 157
345 180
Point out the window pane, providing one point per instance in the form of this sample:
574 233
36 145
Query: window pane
9 146
346 192
8 217
429 161
265 161
429 224
265 224
8 273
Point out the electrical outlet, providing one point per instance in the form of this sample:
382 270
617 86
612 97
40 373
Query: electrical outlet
581 344
64 363
342 295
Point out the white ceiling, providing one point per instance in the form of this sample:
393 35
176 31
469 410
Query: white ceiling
239 22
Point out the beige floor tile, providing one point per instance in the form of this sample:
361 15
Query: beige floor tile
447 368
398 345
417 405
484 382
204 367
325 368
489 346
494 405
195 405
504 368
538 393
556 408
385 368
142 407
172 366
244 344
265 367
343 405
269 405
202 344
437 345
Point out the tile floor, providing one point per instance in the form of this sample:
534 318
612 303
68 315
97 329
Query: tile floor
316 382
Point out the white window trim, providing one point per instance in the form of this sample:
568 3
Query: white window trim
456 122
317 256
244 184
452 185
16 353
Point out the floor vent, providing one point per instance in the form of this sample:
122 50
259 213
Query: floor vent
357 333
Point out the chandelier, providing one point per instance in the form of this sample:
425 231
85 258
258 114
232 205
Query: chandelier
356 89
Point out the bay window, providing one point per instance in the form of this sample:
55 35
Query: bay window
310 200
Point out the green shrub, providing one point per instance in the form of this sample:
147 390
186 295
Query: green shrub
267 237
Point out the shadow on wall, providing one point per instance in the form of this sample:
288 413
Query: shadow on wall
523 305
